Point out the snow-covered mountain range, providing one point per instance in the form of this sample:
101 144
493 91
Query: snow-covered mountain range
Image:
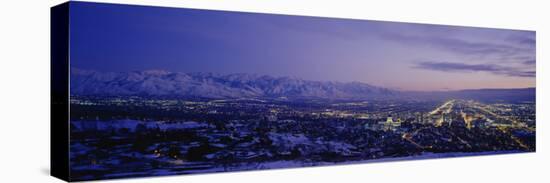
209 85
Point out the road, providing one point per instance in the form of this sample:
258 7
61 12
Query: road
446 108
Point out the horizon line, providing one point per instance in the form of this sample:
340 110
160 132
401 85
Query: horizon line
299 78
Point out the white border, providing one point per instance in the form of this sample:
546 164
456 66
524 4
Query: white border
24 69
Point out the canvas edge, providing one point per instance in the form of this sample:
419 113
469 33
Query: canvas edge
59 94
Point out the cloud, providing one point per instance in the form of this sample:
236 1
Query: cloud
525 38
496 47
472 48
527 41
460 67
465 47
530 62
525 74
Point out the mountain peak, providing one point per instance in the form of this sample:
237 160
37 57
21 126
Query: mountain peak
157 72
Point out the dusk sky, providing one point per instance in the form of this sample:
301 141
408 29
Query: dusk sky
394 55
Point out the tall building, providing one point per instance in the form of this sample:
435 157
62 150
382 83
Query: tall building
391 124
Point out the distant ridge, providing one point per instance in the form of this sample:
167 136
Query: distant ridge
210 85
